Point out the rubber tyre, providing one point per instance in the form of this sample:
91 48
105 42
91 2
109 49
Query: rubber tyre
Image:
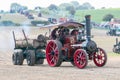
14 59
20 58
31 58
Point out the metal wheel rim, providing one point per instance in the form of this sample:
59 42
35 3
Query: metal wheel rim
52 53
100 57
80 59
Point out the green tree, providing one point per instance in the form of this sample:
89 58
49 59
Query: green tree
15 7
63 6
108 17
45 11
37 7
52 7
85 6
75 4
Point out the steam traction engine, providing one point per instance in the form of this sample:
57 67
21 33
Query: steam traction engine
68 44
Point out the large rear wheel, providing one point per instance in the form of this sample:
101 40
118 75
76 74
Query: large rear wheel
53 53
100 57
80 58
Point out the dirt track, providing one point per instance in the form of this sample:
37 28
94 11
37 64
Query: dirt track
66 71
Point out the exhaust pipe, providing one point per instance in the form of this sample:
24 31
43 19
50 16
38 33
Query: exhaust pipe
91 45
88 27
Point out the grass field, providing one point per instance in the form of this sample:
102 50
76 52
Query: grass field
16 18
97 14
113 55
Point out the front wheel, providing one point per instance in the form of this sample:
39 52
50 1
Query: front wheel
80 58
100 57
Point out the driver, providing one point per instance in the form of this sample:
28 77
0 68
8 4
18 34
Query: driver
63 32
75 31
78 33
53 33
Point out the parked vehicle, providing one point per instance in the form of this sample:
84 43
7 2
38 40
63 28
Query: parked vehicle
114 31
116 47
30 16
52 20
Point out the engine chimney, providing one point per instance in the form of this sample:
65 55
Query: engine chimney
88 28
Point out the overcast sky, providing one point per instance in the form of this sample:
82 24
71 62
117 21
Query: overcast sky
5 4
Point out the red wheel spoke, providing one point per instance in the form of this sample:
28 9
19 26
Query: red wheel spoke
103 58
100 57
51 47
55 49
55 59
83 58
53 52
80 55
54 45
96 56
77 60
80 58
100 61
51 56
82 62
52 60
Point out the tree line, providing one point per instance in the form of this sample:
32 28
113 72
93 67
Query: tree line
53 9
